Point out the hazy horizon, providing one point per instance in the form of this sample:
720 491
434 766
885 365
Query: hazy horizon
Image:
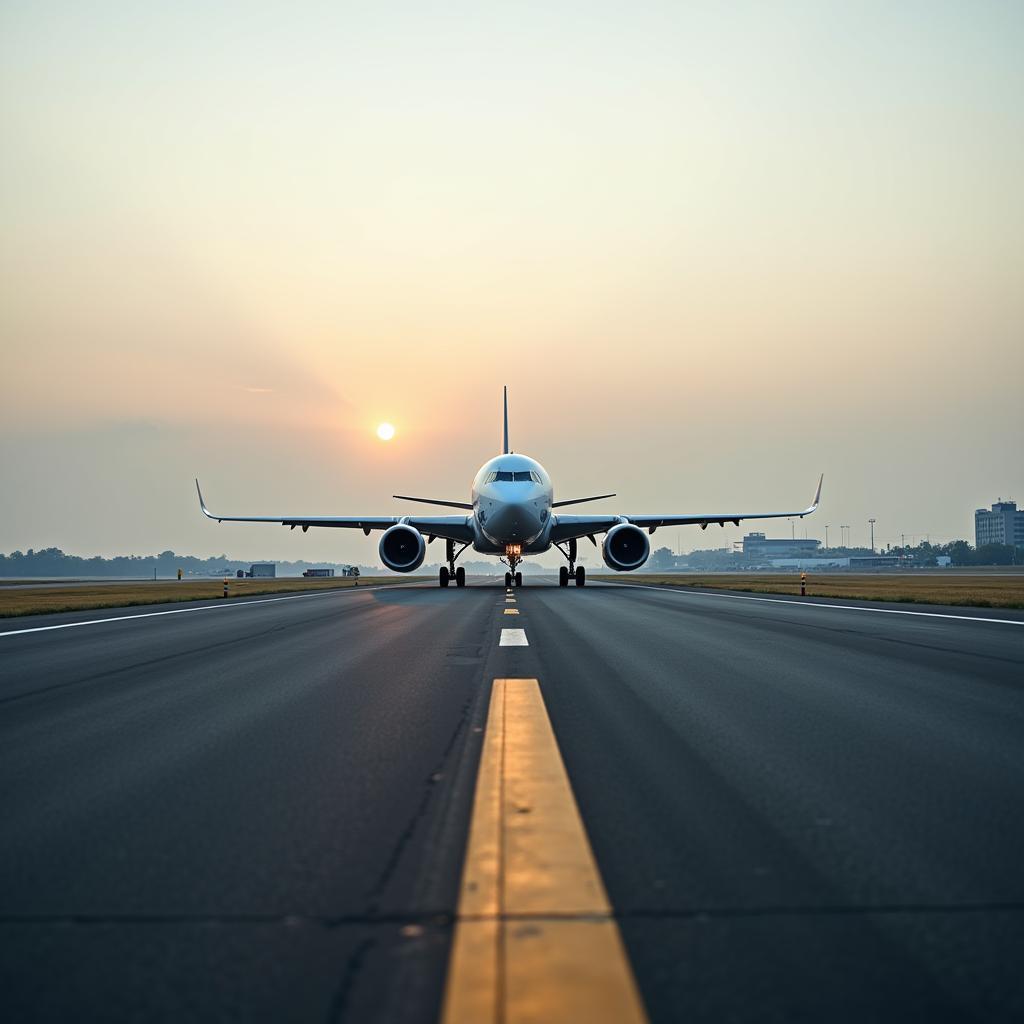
714 250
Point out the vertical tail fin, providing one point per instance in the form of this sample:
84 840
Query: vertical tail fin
505 446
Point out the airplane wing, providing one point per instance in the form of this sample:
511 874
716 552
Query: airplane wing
566 527
456 528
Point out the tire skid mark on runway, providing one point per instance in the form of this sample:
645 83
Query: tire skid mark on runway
152 662
690 592
535 938
207 608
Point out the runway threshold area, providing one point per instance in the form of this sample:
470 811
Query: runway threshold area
749 811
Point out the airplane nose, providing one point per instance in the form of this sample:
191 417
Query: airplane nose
517 521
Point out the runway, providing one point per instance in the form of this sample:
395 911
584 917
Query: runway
259 809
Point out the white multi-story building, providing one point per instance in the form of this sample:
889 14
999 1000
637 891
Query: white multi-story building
1002 524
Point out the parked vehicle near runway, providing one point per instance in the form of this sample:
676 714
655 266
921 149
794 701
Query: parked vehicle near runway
511 515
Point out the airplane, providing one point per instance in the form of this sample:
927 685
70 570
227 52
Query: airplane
511 514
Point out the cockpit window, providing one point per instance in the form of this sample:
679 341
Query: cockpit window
521 475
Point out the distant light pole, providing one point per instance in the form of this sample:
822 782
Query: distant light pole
845 527
826 535
872 522
792 528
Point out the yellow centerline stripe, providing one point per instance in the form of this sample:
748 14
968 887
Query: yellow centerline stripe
535 939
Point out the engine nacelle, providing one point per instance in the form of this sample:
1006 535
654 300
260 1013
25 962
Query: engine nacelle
402 549
625 547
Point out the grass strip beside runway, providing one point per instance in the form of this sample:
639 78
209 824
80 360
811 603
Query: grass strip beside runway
31 601
973 591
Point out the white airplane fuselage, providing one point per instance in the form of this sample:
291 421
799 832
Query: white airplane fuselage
511 498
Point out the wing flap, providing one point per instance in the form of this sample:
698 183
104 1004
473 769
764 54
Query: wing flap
566 527
652 522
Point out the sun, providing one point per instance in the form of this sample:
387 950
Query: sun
385 431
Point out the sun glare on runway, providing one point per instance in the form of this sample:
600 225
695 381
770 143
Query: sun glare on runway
385 431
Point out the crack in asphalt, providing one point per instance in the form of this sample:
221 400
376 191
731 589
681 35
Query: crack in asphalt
429 788
340 1001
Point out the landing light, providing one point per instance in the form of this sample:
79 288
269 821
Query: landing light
513 549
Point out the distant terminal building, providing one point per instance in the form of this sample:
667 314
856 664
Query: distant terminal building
1002 524
758 548
839 562
263 570
318 573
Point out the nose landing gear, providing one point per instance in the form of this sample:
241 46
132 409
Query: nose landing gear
512 554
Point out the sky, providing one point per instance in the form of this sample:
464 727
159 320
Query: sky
714 249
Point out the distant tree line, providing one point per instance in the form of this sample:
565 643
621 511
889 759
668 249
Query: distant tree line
960 553
54 562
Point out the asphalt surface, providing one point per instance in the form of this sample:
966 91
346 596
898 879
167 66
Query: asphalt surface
257 810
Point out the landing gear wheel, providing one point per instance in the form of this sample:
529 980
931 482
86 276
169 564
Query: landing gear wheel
563 575
460 577
581 576
443 576
508 579
519 579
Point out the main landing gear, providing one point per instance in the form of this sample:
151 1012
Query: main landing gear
449 572
572 571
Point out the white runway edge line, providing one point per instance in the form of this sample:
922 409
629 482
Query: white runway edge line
210 608
513 638
817 604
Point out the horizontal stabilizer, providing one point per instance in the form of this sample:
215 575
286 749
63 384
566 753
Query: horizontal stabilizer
579 501
433 501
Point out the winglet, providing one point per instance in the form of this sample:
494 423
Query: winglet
504 449
202 504
817 493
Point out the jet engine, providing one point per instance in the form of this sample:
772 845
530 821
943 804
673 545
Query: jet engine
625 547
402 549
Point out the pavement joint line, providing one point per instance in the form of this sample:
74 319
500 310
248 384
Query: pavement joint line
690 592
513 638
209 608
535 936
443 917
